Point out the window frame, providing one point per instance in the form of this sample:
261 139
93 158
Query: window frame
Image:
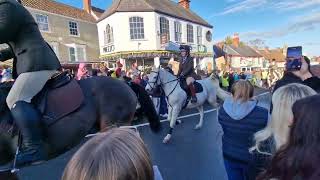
108 35
136 28
199 35
177 31
76 47
190 39
78 31
47 17
164 27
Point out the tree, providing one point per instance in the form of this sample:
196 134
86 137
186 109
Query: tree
259 43
228 40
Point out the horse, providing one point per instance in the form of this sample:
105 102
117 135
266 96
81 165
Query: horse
177 97
107 103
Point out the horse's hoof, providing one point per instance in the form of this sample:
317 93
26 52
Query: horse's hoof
178 122
198 127
167 139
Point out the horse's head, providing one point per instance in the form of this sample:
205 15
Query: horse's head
154 82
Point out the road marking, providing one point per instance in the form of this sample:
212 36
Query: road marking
180 117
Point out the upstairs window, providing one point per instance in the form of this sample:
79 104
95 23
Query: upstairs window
190 33
136 28
73 28
43 22
164 29
177 31
108 35
199 35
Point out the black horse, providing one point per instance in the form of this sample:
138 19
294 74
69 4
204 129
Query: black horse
107 103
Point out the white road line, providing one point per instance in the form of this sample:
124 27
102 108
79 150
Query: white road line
180 117
190 115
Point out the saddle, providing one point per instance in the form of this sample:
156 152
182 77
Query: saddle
60 96
198 87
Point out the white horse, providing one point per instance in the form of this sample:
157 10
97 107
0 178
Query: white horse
177 97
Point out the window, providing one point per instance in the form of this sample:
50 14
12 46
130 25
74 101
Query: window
72 53
136 28
43 22
73 27
164 30
77 53
108 35
209 36
177 31
55 48
190 33
199 35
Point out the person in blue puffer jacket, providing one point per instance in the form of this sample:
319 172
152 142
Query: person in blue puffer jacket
240 117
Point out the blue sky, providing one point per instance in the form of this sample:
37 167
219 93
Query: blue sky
276 22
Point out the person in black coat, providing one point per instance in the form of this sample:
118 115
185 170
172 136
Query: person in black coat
303 76
240 117
33 65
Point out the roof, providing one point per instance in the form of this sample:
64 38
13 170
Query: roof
59 8
97 11
245 51
273 54
166 7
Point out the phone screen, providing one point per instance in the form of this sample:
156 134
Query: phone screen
294 55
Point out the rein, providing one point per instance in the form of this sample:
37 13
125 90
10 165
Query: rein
161 84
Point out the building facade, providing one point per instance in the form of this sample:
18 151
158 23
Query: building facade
71 32
150 33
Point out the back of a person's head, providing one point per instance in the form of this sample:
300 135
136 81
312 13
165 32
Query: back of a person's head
118 154
281 117
242 90
301 154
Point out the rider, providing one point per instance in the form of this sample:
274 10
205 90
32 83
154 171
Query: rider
186 70
34 63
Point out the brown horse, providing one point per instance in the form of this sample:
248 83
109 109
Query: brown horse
107 103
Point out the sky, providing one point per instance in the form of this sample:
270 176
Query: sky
274 22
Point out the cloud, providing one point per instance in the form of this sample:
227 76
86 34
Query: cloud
296 4
243 6
301 24
284 5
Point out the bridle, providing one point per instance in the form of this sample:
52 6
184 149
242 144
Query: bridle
162 83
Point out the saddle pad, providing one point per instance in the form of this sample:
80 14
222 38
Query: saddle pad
62 101
198 87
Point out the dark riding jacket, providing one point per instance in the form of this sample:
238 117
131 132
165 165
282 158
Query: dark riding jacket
186 69
28 48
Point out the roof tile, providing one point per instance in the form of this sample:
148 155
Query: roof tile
59 8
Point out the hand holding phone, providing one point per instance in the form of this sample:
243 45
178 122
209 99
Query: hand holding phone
293 60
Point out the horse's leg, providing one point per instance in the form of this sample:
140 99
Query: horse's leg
199 125
174 115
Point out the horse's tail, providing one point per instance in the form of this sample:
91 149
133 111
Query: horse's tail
147 107
222 94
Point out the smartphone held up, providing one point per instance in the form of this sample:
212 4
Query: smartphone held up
293 59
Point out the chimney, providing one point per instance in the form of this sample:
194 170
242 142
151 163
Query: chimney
185 3
87 6
236 40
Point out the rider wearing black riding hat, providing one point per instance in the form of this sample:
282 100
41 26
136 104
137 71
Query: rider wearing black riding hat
33 65
186 70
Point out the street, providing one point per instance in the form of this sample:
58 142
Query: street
190 155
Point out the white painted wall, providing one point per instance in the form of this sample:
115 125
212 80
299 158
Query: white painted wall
121 32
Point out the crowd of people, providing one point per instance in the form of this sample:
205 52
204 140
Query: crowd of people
282 143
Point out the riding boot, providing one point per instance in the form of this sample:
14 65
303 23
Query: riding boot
28 119
193 93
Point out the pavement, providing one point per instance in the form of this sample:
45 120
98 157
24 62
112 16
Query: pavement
191 154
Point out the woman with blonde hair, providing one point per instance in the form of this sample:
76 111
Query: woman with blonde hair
240 117
118 154
277 130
